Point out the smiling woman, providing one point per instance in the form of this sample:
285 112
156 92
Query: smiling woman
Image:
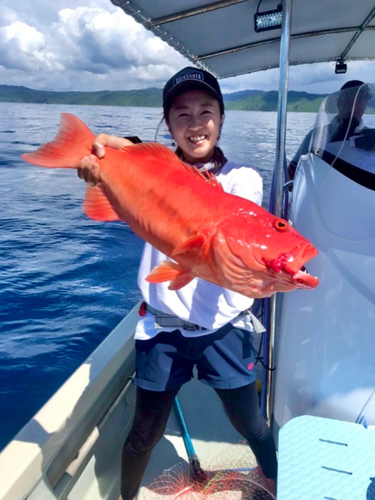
321 330
192 314
194 121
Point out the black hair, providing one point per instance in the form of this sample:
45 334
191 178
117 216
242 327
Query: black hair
352 83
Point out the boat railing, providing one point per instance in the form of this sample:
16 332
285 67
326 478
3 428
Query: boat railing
50 452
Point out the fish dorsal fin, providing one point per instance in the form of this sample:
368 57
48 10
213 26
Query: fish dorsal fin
97 206
153 149
209 177
205 176
164 153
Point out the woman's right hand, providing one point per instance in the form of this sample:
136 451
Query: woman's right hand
88 168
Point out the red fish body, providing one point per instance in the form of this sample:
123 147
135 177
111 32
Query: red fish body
208 233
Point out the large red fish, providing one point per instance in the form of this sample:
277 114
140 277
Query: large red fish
208 233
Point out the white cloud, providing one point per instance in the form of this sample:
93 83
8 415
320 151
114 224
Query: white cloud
7 16
95 40
55 45
23 47
89 48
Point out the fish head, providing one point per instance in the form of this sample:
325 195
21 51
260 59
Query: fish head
261 254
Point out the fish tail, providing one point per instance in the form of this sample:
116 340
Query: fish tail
72 142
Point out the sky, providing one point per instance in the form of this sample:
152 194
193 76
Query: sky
89 45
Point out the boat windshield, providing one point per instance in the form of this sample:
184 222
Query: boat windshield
344 131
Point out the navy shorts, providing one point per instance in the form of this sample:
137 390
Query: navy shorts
224 359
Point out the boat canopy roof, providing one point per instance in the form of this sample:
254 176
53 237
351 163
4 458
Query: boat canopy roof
220 36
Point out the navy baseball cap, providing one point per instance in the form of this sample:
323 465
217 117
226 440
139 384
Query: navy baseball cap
191 78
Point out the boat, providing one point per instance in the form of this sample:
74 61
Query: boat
71 448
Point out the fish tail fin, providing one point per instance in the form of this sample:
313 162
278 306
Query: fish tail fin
72 142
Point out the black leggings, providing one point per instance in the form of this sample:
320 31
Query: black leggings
151 416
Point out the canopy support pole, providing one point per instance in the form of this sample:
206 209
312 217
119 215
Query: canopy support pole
279 179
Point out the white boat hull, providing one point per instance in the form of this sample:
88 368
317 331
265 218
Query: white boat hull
325 347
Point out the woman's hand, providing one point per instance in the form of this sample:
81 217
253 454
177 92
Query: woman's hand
88 168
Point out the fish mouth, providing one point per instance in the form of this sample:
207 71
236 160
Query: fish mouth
304 279
293 265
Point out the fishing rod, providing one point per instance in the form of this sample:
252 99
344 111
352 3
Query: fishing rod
196 471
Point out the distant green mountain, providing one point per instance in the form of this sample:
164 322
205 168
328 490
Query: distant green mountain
242 94
267 101
151 97
246 100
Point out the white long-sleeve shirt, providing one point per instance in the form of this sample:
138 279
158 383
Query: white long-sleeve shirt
199 302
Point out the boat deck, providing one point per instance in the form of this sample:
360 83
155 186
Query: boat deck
216 443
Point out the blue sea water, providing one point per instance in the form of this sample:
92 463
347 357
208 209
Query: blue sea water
65 280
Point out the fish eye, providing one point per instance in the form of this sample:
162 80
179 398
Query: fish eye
280 225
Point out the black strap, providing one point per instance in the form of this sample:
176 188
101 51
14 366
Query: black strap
356 174
134 139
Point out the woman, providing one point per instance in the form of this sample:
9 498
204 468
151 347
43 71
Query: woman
201 324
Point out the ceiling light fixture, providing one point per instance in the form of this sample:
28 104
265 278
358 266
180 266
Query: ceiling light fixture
269 19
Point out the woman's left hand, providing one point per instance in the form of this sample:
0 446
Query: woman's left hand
88 168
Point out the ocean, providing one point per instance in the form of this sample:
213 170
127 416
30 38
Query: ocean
66 281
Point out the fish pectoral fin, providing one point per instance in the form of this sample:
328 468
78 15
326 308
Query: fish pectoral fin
165 271
170 271
181 280
97 206
194 243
